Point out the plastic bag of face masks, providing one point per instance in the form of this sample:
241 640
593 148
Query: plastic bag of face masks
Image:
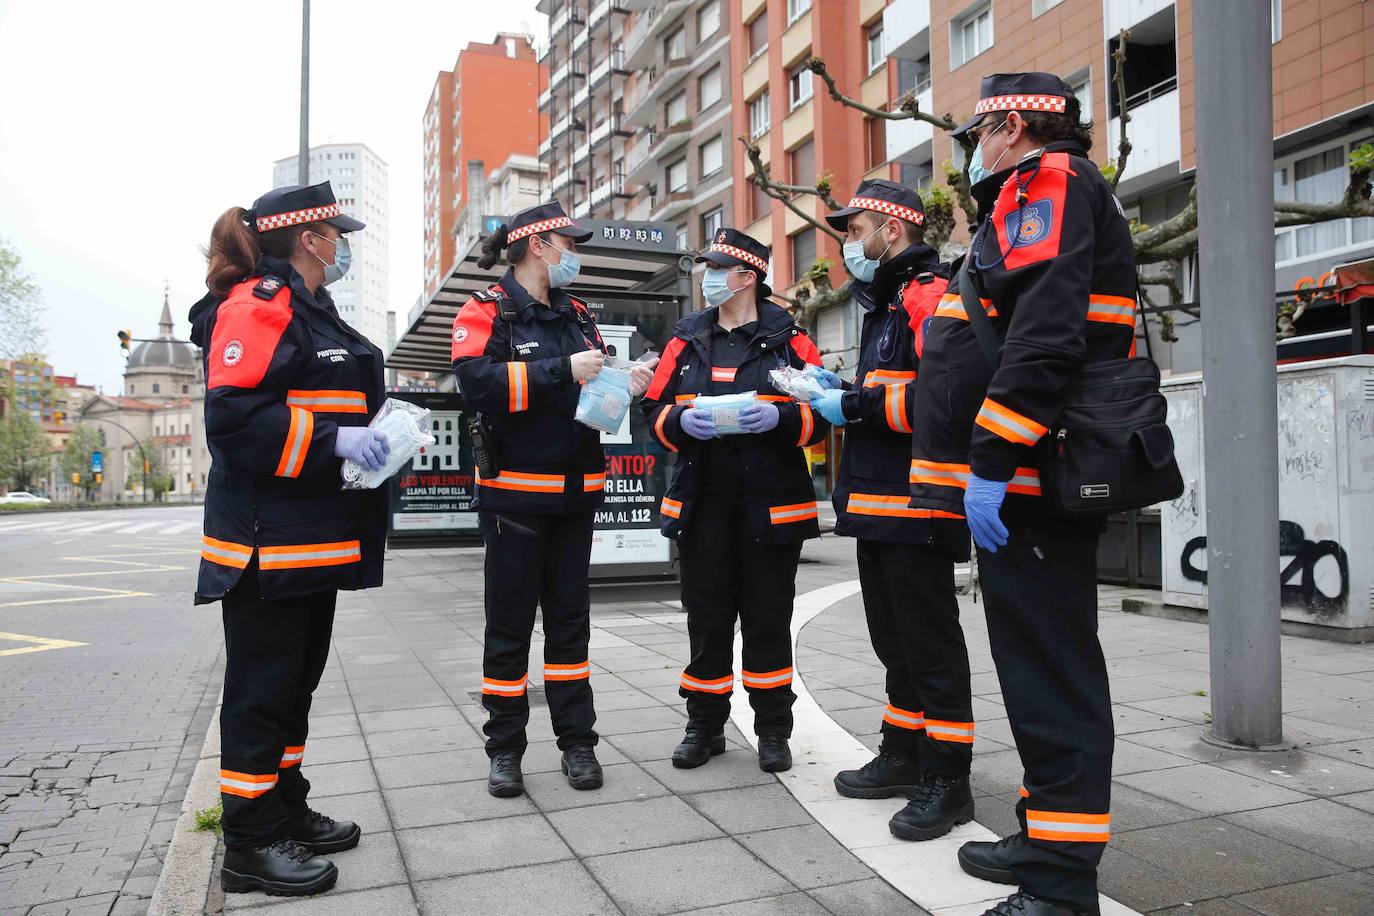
605 400
725 409
802 384
406 430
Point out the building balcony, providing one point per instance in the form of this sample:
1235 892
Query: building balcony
604 9
670 205
560 181
614 63
906 29
570 15
612 126
644 107
639 158
1122 14
909 141
641 46
636 6
545 98
652 149
1154 130
545 146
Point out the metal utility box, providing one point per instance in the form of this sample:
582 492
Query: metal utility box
1326 494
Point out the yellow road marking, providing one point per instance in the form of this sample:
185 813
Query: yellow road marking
144 568
75 600
40 643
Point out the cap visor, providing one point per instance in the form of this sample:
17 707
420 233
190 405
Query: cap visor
839 220
346 224
967 126
575 232
719 259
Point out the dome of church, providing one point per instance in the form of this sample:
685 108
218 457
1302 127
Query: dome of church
166 353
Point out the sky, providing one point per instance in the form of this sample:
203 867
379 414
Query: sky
126 129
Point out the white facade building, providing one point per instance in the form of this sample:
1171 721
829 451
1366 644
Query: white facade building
359 179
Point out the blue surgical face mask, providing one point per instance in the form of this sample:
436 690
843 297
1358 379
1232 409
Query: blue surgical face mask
566 270
861 265
976 170
715 286
343 259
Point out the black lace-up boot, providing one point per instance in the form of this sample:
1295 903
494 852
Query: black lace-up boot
506 780
320 833
282 868
939 804
884 776
697 747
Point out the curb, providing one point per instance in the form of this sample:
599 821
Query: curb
184 887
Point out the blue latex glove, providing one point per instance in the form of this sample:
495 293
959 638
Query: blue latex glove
983 506
699 424
828 404
362 444
827 378
759 418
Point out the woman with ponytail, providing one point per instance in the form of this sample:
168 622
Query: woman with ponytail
290 389
521 350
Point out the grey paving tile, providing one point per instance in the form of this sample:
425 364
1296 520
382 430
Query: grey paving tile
334 750
623 782
460 849
752 808
398 719
1360 753
388 900
1305 772
341 778
1145 885
631 721
653 745
334 726
431 769
709 873
1129 757
1216 906
374 862
807 856
1211 789
1134 810
362 808
608 828
1337 832
1362 800
1352 892
731 770
1220 858
451 803
424 740
409 698
873 897
557 889
784 905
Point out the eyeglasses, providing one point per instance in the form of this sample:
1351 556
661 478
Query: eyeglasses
984 130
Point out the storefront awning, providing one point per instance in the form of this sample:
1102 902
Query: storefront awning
623 260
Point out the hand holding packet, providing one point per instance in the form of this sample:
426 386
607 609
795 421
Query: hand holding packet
802 384
605 400
403 424
725 410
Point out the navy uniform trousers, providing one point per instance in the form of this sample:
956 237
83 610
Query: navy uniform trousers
276 652
1040 593
537 561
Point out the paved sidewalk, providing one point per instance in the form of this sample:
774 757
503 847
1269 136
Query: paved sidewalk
1195 828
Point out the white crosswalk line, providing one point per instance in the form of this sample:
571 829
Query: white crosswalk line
33 526
135 529
184 526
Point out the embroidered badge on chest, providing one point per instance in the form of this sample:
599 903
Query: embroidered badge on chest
1031 224
233 353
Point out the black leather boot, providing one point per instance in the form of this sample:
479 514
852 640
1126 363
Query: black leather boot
581 767
774 754
697 747
939 804
884 776
283 868
1023 904
320 833
505 779
990 861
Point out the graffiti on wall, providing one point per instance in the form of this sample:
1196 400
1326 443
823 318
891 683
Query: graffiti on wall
1316 575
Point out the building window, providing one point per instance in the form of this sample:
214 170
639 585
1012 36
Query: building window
760 204
711 157
970 35
1041 7
708 20
1319 177
758 35
876 57
875 134
708 88
157 389
676 110
795 9
918 177
710 225
675 45
1276 22
1082 86
677 177
798 85
760 116
803 253
803 164
681 237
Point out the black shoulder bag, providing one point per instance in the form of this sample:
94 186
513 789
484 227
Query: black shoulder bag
1110 450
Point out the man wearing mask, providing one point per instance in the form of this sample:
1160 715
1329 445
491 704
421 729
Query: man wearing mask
906 556
1053 287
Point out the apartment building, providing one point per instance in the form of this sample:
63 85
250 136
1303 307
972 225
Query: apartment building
639 105
484 109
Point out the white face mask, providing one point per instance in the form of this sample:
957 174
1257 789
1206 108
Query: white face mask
860 264
343 258
976 170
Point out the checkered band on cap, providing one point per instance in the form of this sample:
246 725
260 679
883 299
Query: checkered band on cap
888 207
543 225
750 259
1053 103
296 217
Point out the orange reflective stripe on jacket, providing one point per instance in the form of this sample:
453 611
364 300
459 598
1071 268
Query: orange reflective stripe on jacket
518 379
956 732
716 685
889 377
797 512
763 680
300 556
659 432
225 553
890 507
895 402
298 437
328 400
671 508
1008 424
292 756
952 306
246 785
577 672
1068 827
1112 309
904 718
493 687
528 483
593 482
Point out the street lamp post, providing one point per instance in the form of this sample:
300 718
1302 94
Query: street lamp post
303 157
129 433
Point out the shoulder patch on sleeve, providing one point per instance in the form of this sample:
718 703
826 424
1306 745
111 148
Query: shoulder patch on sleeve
486 295
1030 232
268 287
472 327
246 335
805 349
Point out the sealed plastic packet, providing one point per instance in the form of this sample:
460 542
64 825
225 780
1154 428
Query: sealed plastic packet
725 409
403 424
605 400
801 384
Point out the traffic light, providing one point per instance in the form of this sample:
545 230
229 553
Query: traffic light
99 477
125 338
76 478
58 416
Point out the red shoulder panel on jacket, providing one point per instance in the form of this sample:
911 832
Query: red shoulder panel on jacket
667 365
920 301
247 332
472 327
806 349
1033 228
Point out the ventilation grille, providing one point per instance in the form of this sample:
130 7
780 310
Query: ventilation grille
1369 387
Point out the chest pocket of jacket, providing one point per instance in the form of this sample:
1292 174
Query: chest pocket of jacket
338 378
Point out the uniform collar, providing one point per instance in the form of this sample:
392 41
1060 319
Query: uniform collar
279 267
892 273
525 303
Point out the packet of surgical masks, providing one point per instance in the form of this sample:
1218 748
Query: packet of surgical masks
725 410
605 400
802 384
406 428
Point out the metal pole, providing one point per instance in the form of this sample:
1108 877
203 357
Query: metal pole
1235 161
303 157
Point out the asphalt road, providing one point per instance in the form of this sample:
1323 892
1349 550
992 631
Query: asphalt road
108 676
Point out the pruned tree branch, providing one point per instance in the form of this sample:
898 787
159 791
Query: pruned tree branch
1123 147
787 193
908 107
